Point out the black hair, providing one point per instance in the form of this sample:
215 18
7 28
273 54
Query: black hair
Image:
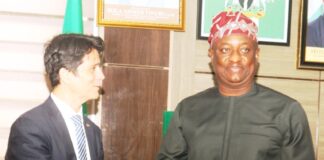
67 51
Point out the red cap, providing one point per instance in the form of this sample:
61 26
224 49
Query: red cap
226 23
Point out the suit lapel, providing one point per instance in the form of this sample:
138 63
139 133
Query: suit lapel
59 127
90 136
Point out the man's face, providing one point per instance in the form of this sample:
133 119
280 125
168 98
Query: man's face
88 77
235 60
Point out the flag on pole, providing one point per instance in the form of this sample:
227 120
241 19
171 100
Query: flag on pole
73 23
73 17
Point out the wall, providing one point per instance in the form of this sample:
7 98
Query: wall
24 28
190 72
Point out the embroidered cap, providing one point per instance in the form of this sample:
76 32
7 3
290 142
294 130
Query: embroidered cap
226 23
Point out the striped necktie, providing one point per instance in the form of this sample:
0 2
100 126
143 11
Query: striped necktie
80 136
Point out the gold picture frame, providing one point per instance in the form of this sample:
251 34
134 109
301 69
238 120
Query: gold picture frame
157 14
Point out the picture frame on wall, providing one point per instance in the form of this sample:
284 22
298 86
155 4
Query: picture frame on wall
271 16
152 14
311 37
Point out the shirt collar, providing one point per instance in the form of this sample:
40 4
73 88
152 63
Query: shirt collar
252 91
64 108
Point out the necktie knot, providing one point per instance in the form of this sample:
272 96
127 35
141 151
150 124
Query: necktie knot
76 120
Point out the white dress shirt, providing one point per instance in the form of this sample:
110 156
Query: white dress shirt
67 112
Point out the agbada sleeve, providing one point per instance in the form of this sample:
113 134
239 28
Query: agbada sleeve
174 146
297 143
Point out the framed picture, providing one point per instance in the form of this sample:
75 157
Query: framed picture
159 14
271 16
311 37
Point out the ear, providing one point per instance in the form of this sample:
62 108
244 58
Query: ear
210 52
257 54
65 76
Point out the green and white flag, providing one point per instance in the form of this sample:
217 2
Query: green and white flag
73 17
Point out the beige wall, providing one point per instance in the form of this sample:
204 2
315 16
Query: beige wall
190 72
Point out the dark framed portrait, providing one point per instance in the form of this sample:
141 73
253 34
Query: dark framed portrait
311 39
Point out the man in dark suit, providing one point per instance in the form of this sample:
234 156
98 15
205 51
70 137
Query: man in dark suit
50 131
315 31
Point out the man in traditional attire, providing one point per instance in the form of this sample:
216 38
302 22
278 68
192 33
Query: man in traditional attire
239 119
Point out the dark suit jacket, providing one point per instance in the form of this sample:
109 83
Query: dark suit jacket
315 33
41 133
